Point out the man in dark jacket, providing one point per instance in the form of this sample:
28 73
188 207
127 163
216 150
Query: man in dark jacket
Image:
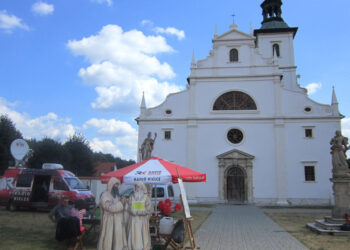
67 226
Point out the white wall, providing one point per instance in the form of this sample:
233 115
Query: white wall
273 134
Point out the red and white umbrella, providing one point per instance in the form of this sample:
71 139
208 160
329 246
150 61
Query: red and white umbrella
154 171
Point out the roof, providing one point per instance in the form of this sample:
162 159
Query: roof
276 30
104 168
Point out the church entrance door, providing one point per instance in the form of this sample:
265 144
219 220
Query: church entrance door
236 185
236 177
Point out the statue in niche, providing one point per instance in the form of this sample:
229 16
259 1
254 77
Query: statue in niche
147 147
338 150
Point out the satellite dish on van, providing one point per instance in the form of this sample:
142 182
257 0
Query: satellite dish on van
19 148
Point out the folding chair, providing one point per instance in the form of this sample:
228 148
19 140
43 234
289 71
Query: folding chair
79 240
171 243
176 238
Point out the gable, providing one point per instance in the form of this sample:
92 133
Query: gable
235 154
233 34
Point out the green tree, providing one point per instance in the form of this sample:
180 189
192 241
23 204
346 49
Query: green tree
123 163
8 133
80 156
101 157
47 151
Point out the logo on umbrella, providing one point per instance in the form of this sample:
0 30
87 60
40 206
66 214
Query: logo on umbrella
154 172
140 172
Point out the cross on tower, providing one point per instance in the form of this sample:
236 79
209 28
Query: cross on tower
233 17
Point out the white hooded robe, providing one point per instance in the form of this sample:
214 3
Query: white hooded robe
112 229
138 229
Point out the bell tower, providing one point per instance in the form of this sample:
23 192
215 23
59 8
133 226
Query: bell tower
274 40
271 11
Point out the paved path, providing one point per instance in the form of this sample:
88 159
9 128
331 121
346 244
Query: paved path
297 210
243 227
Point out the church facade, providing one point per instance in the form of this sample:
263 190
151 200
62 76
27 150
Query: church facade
245 122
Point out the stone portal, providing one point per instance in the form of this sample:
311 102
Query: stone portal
235 176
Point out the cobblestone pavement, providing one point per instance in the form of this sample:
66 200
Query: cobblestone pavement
243 227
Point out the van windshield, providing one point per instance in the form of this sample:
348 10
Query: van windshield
74 183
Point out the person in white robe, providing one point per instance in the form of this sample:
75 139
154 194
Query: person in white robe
112 228
140 208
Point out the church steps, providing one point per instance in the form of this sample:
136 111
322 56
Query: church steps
319 230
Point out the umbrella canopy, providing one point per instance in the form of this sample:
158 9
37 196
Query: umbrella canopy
154 171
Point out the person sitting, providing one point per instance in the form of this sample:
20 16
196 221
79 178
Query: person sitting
61 210
67 226
78 211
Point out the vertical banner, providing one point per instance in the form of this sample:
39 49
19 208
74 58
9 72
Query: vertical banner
184 199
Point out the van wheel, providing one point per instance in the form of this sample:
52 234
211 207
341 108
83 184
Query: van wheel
11 207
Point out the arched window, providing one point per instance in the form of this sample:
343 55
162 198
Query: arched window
233 55
276 49
234 100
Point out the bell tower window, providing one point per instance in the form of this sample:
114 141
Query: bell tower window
233 55
276 49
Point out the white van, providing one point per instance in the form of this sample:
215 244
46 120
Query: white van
42 188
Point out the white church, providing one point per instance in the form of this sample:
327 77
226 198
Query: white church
245 122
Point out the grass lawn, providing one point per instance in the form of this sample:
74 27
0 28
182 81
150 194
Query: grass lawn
294 223
198 218
33 230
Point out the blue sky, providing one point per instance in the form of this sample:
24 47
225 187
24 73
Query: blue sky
81 66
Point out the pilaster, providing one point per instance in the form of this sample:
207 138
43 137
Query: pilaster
280 163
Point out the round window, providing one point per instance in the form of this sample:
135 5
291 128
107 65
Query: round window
235 135
168 111
307 109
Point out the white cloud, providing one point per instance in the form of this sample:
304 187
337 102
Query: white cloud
110 127
106 147
123 65
9 22
49 125
146 22
108 2
42 8
180 34
313 87
125 136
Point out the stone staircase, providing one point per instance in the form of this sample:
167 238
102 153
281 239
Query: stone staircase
328 225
